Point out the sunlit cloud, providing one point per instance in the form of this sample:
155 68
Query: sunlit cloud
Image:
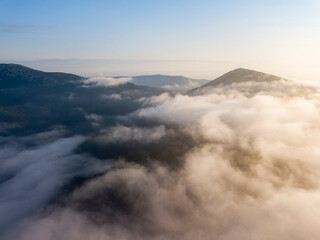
107 81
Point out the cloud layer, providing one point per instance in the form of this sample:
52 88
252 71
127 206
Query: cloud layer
32 176
251 172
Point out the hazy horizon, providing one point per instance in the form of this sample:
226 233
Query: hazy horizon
200 39
124 67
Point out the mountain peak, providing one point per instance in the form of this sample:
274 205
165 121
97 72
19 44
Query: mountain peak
241 75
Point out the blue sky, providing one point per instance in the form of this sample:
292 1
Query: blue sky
278 36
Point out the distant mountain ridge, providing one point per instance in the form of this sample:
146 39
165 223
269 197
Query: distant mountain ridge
32 100
159 80
15 75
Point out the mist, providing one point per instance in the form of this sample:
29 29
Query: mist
234 162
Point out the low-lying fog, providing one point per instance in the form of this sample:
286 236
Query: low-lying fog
239 161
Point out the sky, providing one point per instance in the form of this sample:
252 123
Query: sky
196 38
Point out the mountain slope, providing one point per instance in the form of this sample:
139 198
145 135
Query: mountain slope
239 75
32 101
14 75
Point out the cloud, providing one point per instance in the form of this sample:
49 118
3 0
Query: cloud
113 96
252 172
107 81
123 133
182 87
31 177
94 117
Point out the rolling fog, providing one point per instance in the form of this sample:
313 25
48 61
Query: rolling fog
233 162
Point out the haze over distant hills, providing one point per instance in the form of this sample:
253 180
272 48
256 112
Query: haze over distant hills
32 100
168 82
29 98
17 73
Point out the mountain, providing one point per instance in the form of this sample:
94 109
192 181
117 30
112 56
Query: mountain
14 75
32 100
168 82
238 75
